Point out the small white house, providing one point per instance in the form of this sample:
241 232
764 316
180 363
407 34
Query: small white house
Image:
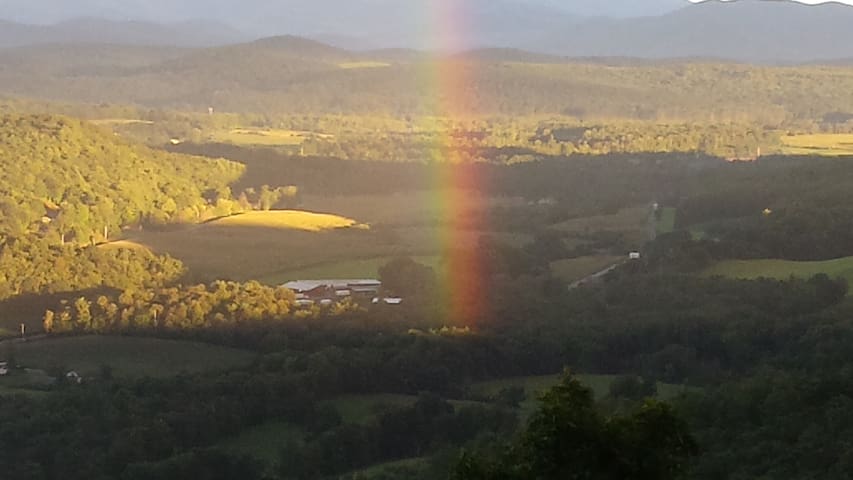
73 377
4 369
634 256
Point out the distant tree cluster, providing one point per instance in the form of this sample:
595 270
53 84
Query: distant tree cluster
42 268
219 305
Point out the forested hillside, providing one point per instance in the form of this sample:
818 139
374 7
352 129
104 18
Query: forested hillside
289 75
66 180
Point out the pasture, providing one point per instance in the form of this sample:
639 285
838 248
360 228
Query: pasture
127 356
264 442
666 221
364 64
277 246
288 220
782 269
360 268
826 144
574 269
267 137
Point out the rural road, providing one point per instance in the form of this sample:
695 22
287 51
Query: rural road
652 234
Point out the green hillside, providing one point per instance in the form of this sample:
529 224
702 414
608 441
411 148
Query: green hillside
66 178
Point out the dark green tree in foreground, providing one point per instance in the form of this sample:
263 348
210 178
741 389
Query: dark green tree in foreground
569 439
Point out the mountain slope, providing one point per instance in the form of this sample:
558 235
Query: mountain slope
746 30
86 179
93 30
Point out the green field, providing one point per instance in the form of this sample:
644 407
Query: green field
264 442
573 269
666 222
362 409
626 220
263 137
782 269
126 356
278 246
390 469
826 144
366 268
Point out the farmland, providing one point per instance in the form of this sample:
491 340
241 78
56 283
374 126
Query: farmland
573 269
782 269
826 144
361 268
262 137
288 220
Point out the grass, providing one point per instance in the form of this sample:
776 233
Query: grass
128 356
364 268
224 251
287 219
573 269
120 121
666 222
628 219
268 137
276 246
391 469
265 441
362 409
364 64
782 269
827 144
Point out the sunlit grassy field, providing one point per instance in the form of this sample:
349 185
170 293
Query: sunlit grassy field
828 144
782 269
262 137
128 356
287 219
364 64
573 269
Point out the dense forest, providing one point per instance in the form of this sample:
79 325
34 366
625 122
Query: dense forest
294 75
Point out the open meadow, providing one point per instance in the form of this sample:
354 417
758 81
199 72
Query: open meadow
782 269
827 144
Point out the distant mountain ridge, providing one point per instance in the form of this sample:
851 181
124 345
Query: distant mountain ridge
744 30
96 30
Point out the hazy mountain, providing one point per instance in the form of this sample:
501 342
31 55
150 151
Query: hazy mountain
257 14
747 30
93 30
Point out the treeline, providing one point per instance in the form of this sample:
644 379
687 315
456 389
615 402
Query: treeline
396 434
41 268
272 78
215 306
778 207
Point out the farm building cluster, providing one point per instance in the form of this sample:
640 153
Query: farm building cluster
327 292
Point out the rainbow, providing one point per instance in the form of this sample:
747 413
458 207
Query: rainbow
462 293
